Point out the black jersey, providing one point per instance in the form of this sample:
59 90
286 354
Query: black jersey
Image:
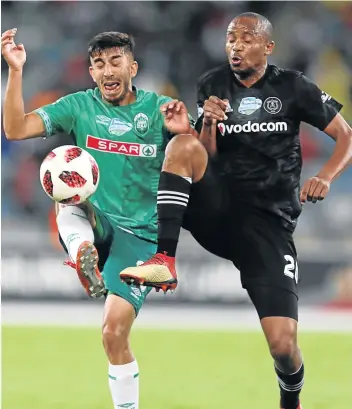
259 152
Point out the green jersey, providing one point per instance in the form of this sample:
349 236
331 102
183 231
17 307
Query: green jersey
128 143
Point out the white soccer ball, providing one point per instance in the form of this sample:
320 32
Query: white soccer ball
69 175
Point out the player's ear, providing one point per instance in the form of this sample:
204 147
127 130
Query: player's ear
269 48
91 72
134 69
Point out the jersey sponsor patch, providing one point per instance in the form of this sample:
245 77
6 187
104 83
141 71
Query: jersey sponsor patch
118 127
252 127
121 148
249 105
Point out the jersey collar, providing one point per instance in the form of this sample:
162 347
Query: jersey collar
257 84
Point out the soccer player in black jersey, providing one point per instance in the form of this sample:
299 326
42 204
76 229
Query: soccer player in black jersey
236 185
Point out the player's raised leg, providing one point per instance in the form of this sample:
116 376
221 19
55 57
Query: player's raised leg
123 370
185 163
75 225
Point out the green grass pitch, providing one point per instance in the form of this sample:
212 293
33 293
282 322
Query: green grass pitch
65 368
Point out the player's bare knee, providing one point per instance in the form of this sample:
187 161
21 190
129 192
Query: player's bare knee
115 335
118 319
282 345
116 340
185 155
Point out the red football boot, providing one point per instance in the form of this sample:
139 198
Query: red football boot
87 270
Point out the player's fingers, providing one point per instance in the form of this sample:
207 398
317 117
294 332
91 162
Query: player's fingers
214 112
168 106
318 188
169 114
179 105
8 36
303 196
212 107
213 116
315 191
304 192
6 42
8 33
20 46
324 192
312 186
210 104
218 101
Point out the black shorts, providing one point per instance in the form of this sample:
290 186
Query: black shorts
230 227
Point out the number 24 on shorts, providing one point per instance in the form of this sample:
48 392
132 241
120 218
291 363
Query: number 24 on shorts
291 269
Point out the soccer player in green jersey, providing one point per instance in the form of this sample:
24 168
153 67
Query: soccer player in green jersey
126 130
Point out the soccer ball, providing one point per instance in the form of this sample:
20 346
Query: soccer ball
69 175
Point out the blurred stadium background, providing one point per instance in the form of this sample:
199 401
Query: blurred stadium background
176 42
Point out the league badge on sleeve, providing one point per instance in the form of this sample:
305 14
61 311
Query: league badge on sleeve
325 97
200 111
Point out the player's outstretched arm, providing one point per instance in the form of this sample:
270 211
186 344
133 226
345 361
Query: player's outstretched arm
316 188
17 124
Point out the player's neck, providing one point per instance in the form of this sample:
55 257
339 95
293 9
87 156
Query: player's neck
129 98
254 77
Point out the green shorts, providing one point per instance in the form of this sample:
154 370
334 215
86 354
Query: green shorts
120 250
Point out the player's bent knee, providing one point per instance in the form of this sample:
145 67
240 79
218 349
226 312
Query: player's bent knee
282 343
115 338
186 155
184 146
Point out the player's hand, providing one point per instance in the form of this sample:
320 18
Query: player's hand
315 188
15 55
176 117
214 110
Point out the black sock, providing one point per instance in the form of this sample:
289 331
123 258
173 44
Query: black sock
173 195
290 387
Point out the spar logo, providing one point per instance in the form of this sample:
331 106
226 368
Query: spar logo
253 127
121 148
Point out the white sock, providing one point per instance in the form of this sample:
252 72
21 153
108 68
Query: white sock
124 385
74 228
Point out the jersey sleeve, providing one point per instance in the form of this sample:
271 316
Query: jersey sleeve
58 116
201 97
315 106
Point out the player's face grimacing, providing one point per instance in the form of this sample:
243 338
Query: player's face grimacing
113 70
247 46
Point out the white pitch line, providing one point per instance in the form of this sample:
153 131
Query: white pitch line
170 317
